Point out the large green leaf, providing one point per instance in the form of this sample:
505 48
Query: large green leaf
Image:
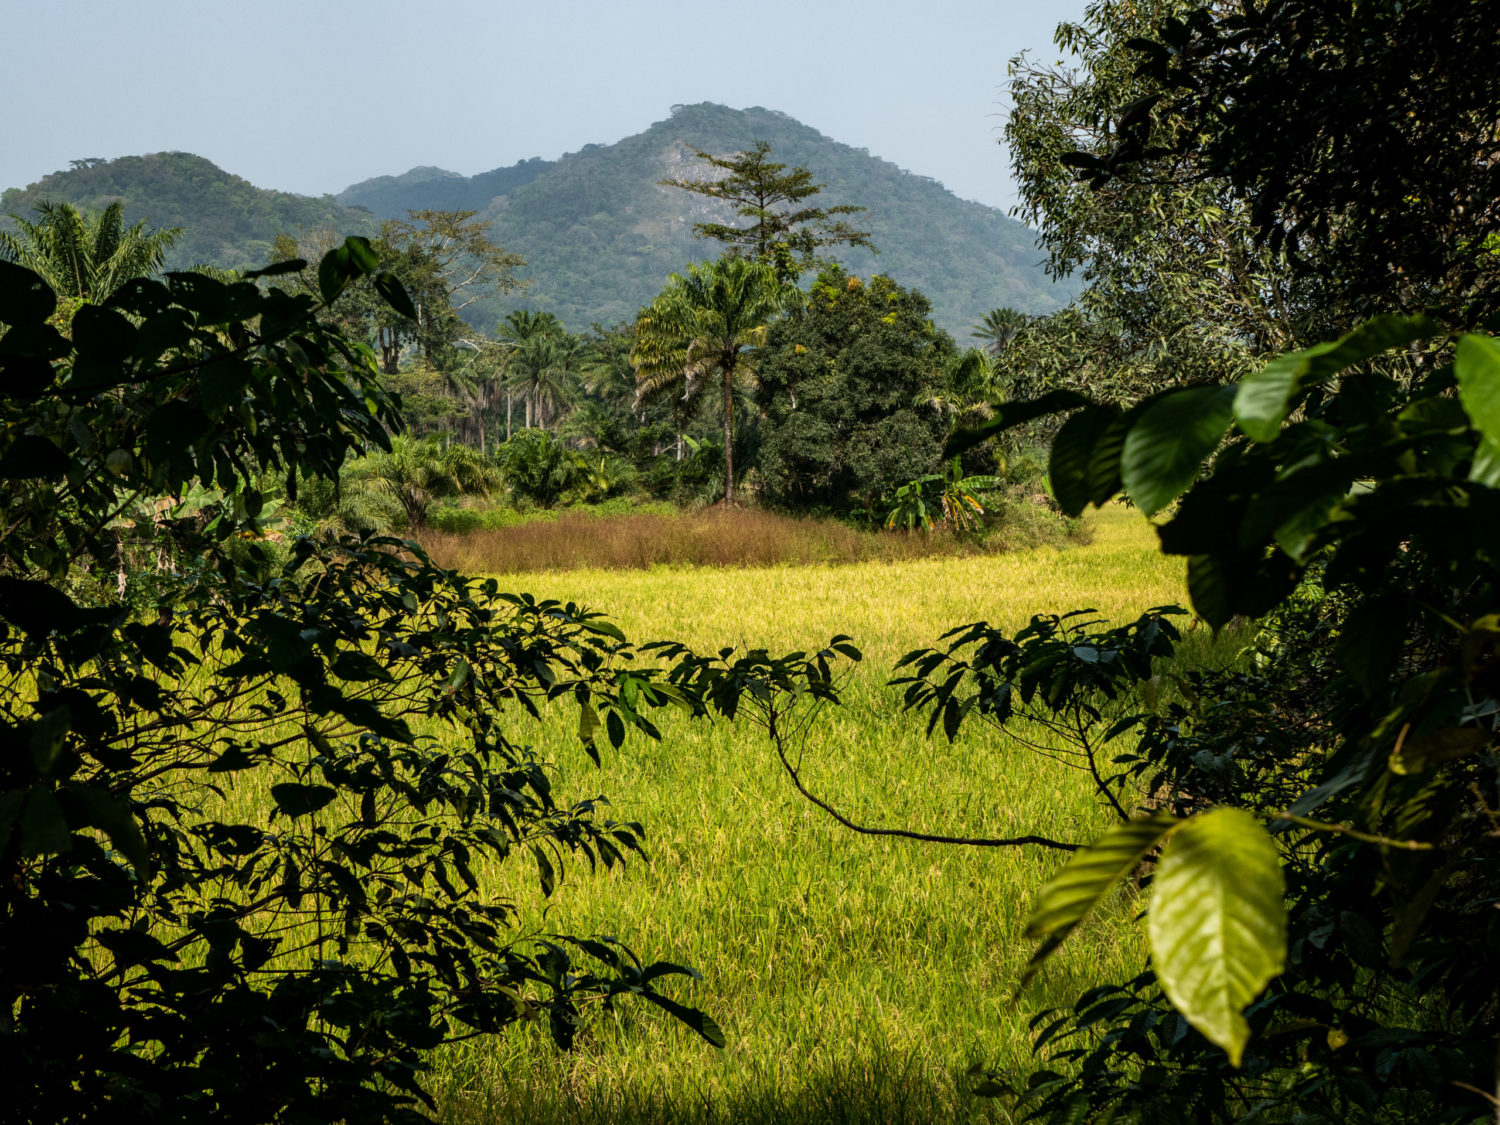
1086 878
1217 924
24 297
1166 447
1072 455
1266 397
1476 365
1012 414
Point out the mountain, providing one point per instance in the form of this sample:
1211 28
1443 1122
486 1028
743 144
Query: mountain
227 221
600 233
597 228
391 197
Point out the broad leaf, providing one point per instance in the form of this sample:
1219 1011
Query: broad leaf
298 800
333 273
1217 924
1086 878
701 1022
362 256
1012 414
1266 397
1419 752
389 286
1166 447
1069 465
1476 365
24 297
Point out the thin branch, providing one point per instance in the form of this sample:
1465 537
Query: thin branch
901 833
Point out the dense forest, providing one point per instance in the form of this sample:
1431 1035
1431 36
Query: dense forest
226 221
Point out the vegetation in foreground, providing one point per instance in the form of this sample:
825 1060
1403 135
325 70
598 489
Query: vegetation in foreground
855 980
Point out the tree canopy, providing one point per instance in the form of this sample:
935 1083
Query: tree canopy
86 256
702 333
783 231
167 955
843 387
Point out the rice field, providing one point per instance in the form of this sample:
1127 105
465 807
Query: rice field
856 980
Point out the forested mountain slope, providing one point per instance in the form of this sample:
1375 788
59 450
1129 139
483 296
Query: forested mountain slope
598 230
227 221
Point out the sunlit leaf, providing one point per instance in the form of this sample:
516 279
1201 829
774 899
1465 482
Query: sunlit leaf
1086 878
1217 923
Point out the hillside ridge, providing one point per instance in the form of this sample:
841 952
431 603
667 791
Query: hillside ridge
599 231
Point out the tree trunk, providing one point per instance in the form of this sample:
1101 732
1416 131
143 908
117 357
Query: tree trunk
728 436
507 413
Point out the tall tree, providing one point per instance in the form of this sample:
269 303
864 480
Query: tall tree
545 370
844 387
999 328
514 332
1357 138
703 325
447 261
782 231
1173 275
86 256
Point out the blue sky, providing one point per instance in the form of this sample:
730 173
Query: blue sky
311 96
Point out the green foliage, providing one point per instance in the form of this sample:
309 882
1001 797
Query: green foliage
1353 137
1371 710
782 232
161 960
1218 923
538 468
226 221
948 497
703 332
999 328
415 474
1175 286
598 229
86 257
841 385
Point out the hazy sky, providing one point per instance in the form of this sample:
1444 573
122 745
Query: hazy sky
311 96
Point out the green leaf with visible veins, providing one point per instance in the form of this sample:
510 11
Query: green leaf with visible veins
1476 365
1081 885
1167 445
1266 397
1217 924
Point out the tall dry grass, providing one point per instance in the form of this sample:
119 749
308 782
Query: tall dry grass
711 537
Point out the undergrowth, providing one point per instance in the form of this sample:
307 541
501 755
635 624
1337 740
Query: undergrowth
512 543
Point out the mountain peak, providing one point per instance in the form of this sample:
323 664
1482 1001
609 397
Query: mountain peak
599 231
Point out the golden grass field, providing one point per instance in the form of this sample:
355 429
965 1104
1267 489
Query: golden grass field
856 979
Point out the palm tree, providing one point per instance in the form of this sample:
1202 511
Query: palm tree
514 332
999 328
702 325
545 369
86 256
416 472
970 384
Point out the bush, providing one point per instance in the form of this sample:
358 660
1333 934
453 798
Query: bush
164 954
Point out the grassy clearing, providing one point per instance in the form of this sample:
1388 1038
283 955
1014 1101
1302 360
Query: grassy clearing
855 979
713 537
